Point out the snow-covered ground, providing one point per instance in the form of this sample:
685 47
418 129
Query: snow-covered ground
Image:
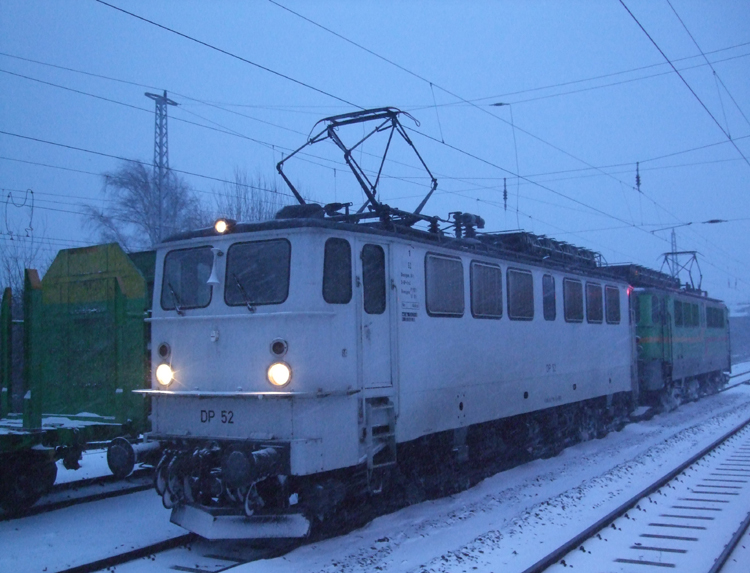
509 521
93 465
505 523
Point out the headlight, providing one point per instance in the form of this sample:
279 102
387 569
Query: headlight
222 226
279 374
164 374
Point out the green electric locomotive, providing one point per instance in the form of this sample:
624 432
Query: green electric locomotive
682 338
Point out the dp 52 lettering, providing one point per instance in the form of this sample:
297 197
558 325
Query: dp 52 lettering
225 416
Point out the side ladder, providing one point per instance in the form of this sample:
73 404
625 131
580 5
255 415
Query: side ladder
380 440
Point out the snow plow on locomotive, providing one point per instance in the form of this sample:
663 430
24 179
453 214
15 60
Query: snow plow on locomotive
307 361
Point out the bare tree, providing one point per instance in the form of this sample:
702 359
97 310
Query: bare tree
19 251
139 214
248 198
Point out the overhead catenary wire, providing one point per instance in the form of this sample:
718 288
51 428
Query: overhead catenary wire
684 81
222 128
715 73
230 54
481 109
220 50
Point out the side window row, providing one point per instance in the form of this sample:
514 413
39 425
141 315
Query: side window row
686 314
444 283
445 293
337 275
595 304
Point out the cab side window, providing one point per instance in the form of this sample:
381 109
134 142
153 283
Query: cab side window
373 279
337 272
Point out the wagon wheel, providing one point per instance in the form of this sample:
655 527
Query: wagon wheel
25 480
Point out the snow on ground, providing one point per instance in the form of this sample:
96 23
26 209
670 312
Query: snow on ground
83 533
93 465
509 521
505 523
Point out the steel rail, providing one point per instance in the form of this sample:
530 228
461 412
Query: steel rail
131 555
587 533
722 559
42 507
140 472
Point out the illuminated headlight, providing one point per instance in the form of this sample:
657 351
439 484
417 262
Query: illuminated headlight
164 374
224 225
279 374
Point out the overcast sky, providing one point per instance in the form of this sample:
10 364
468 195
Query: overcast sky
591 95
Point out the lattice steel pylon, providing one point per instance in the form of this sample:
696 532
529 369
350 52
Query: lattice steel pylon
161 149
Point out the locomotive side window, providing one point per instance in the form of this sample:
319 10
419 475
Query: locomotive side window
612 303
548 297
714 317
657 309
258 273
594 303
337 272
520 295
636 301
184 282
696 317
486 290
373 279
573 300
444 282
678 318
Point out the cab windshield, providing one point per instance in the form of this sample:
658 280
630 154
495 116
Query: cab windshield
186 273
257 273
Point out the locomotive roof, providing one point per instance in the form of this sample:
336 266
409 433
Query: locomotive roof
516 245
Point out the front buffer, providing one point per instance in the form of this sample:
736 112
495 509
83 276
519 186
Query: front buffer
254 465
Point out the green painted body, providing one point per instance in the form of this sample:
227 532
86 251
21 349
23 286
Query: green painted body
670 348
85 350
6 354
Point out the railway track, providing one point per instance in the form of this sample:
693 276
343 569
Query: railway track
85 491
675 522
179 552
188 553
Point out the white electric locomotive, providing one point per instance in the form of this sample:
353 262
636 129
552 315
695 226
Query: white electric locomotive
296 360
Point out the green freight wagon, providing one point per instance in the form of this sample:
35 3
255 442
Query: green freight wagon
85 351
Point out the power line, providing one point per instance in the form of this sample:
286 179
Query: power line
230 54
120 158
252 63
227 130
582 90
685 82
609 75
716 75
471 103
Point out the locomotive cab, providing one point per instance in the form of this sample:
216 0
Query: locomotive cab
267 362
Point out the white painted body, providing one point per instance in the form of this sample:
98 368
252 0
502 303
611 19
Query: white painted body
440 373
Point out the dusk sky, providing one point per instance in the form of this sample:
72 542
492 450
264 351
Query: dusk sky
590 87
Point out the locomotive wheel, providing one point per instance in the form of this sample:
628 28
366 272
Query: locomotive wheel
25 480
